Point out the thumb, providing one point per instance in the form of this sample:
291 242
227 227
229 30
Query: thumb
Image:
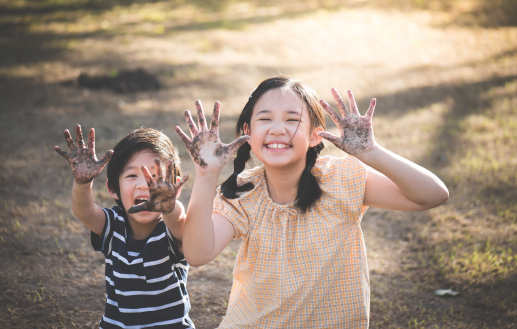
138 208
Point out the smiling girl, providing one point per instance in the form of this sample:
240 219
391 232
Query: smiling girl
302 262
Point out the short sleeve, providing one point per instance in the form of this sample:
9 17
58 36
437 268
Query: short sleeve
344 180
232 210
354 174
101 242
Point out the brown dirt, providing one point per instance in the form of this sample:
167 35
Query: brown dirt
441 71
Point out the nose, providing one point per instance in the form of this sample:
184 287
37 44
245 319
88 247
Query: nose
277 129
141 183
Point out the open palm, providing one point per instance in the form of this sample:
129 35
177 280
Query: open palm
162 191
83 161
356 130
205 147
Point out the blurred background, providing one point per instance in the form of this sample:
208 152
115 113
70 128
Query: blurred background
445 77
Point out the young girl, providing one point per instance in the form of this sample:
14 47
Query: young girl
302 262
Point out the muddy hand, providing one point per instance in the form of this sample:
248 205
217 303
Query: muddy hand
356 130
83 160
205 147
162 193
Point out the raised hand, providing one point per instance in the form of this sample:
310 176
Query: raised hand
356 130
162 191
83 160
205 147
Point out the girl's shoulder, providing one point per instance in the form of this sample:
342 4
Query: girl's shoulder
327 167
254 175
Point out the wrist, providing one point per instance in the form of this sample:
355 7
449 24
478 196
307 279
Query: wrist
369 156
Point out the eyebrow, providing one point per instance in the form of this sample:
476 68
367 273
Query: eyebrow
269 111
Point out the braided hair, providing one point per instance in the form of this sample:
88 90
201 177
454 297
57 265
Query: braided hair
309 190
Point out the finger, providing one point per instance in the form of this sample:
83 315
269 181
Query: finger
138 208
69 141
233 146
91 139
331 138
147 175
340 104
331 112
353 105
214 127
105 159
191 124
158 169
371 109
169 171
201 116
186 140
79 136
61 152
182 181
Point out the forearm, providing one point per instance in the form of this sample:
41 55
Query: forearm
175 221
199 233
85 208
83 205
417 183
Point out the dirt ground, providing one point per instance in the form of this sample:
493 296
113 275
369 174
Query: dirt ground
445 77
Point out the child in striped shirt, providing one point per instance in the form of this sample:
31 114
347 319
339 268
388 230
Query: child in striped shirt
146 273
302 261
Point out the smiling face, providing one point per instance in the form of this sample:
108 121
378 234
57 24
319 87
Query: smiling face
134 190
280 129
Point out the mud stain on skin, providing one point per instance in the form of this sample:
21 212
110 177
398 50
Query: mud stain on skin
83 161
162 193
356 130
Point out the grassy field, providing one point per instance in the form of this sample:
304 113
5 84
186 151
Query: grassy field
445 77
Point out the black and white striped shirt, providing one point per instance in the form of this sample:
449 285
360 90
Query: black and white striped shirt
145 279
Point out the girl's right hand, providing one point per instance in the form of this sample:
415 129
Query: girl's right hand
205 147
83 160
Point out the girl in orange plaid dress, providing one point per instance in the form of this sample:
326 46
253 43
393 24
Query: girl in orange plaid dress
302 261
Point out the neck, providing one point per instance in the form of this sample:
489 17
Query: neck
142 231
282 182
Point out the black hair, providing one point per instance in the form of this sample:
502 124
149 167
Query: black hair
309 190
142 139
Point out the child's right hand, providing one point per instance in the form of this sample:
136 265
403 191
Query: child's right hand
205 147
83 160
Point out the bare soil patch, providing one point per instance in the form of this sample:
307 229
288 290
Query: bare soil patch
445 78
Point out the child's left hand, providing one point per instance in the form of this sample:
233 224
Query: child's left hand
162 193
356 130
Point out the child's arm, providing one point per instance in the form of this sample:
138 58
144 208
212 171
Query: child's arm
396 183
85 168
206 233
162 197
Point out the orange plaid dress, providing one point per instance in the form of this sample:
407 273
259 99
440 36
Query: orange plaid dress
297 270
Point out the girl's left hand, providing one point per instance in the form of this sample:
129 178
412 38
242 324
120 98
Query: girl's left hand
356 130
162 191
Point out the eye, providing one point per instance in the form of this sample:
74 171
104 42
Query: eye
131 176
263 119
294 120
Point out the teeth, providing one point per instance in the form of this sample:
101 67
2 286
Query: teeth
140 200
277 146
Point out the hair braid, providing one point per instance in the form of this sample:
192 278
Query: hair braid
230 187
309 190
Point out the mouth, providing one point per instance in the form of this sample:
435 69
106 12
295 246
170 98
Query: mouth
278 146
139 201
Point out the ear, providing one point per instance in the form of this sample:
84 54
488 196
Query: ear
113 194
315 138
179 191
246 129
